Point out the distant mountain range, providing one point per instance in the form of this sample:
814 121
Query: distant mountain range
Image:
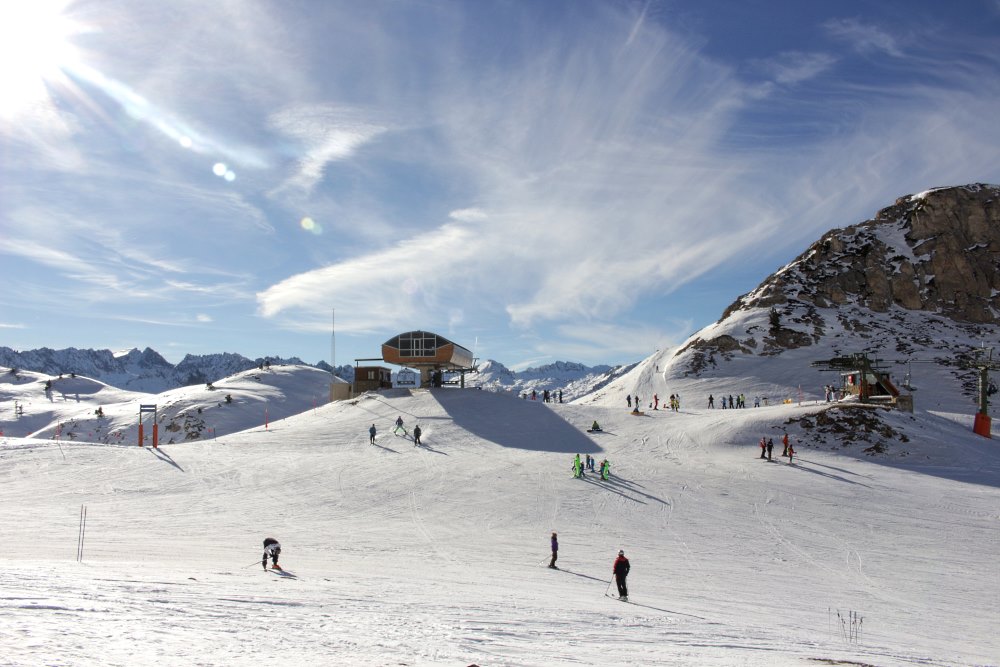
148 372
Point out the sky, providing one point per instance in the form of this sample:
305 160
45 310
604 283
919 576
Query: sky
583 181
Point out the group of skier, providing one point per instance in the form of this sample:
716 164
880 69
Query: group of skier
372 431
619 569
580 467
767 444
739 401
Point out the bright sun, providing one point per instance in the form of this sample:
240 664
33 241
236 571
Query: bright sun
35 48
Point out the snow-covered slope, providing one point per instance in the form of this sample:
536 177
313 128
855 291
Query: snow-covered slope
84 409
436 555
917 288
144 371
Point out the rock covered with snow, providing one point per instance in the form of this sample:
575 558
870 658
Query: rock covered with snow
919 280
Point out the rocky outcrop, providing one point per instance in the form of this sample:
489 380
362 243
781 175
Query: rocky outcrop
938 251
929 260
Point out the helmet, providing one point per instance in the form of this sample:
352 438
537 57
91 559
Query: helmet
621 552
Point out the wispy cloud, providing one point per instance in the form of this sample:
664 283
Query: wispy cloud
862 37
794 67
327 134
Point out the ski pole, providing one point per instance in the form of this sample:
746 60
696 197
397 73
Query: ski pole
609 586
250 565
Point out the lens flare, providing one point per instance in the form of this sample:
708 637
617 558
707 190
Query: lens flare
219 169
311 225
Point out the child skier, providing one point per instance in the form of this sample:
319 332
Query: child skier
555 551
271 549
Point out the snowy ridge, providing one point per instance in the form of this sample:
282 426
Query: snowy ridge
84 409
146 371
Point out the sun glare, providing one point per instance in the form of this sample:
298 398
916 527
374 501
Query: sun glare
35 48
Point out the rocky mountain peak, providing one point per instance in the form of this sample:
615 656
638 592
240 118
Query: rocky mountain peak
921 279
937 251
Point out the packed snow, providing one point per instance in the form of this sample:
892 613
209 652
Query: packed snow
437 554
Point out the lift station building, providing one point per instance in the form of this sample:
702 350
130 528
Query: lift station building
430 354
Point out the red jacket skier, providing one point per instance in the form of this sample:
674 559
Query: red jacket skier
621 568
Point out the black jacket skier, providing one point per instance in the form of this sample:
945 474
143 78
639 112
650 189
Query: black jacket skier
621 568
272 549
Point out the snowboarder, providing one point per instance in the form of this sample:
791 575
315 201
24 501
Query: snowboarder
763 448
595 427
620 569
770 446
271 549
784 441
372 432
555 551
416 435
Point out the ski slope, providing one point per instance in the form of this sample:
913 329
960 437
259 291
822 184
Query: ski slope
436 555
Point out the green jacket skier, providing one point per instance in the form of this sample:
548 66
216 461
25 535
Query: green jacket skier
577 467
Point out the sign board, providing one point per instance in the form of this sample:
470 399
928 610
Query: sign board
406 378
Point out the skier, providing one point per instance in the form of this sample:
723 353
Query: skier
656 401
628 399
605 469
711 402
770 446
555 551
784 441
791 452
272 549
371 432
399 426
416 435
577 467
620 569
763 448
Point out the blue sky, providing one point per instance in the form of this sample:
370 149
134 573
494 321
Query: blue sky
539 181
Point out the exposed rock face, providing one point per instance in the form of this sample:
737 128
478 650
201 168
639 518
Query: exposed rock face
938 251
921 275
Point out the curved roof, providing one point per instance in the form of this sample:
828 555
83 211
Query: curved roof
424 348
